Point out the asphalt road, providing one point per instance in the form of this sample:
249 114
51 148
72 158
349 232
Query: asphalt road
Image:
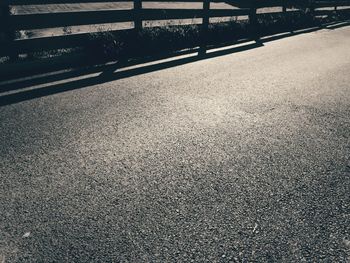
243 157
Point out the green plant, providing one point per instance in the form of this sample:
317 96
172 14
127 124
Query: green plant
104 45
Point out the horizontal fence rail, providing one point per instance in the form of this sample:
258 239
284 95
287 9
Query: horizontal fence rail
10 23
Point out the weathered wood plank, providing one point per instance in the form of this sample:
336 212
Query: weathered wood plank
164 14
229 12
46 2
328 12
49 43
49 20
319 4
255 3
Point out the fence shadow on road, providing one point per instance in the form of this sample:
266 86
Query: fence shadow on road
66 80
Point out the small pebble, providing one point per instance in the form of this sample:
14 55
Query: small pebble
27 234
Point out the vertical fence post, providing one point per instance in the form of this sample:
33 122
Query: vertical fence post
311 7
205 27
6 35
3 14
253 20
137 12
284 7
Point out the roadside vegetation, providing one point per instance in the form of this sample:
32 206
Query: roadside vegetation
114 45
110 45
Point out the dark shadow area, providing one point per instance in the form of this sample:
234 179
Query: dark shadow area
107 74
116 70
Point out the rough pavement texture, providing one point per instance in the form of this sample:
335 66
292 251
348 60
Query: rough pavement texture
239 158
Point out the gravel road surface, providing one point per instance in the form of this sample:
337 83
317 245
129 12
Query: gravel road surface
243 157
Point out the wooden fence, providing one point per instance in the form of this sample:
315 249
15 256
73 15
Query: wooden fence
10 23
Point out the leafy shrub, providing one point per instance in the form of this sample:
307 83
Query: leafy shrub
104 45
168 38
117 45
